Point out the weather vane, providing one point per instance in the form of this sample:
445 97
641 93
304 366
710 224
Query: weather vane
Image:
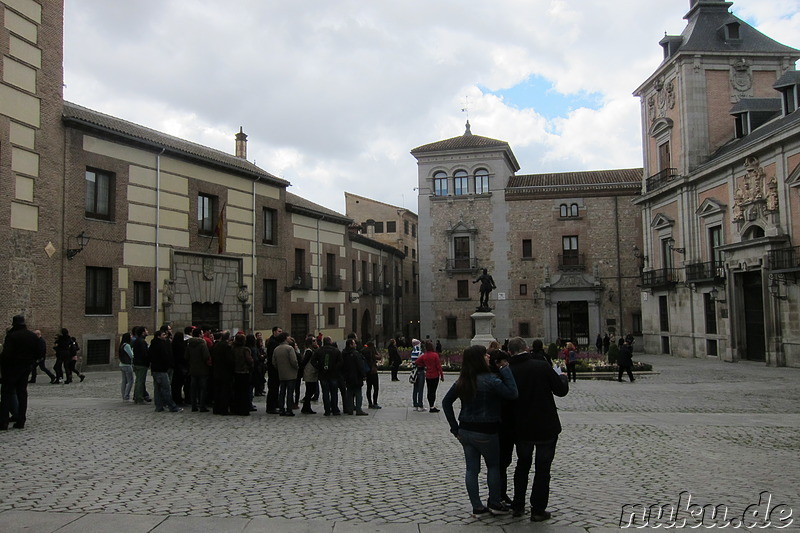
465 109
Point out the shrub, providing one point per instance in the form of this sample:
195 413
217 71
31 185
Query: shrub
613 354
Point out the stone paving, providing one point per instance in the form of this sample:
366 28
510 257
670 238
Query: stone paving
87 461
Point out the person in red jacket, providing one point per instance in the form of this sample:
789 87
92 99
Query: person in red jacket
430 361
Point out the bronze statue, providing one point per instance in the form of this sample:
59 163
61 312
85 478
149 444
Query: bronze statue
487 285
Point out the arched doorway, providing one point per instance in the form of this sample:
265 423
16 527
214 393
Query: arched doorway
366 326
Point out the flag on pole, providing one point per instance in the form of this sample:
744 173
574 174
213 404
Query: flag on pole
219 230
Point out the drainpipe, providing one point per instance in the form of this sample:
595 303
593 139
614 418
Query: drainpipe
158 225
320 317
619 268
253 261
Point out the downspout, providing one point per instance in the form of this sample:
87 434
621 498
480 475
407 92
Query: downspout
158 225
319 283
63 233
619 268
253 261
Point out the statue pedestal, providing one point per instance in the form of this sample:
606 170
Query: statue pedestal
483 328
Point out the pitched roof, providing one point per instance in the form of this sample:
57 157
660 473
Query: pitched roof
302 206
785 123
789 78
705 32
772 105
615 181
75 114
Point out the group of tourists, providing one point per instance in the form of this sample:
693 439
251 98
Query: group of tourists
223 373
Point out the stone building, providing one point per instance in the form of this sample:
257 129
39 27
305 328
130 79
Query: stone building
721 143
111 225
397 227
560 247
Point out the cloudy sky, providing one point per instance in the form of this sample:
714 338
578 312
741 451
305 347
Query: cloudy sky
334 94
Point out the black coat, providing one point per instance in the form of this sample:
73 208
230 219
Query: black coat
533 416
160 355
20 348
141 355
353 367
625 356
334 358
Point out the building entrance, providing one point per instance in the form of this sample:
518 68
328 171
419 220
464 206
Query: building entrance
755 339
206 314
573 322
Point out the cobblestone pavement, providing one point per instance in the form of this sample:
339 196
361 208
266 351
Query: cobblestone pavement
723 432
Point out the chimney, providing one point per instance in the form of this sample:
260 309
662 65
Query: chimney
241 144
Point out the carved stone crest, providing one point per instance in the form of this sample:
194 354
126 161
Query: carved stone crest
208 269
753 196
741 79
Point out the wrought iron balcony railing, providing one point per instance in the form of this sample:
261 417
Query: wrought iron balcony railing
301 280
660 278
462 264
708 271
659 179
332 282
571 262
784 259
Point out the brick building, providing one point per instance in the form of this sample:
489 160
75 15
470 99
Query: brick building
560 247
721 148
397 227
111 224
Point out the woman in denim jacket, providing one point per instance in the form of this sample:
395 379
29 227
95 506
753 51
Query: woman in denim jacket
481 393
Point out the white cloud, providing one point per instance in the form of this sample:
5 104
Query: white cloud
333 95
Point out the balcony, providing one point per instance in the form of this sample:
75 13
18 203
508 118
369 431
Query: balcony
660 179
366 288
709 272
462 264
332 282
571 262
784 259
662 278
301 281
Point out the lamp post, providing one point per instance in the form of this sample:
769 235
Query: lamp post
83 240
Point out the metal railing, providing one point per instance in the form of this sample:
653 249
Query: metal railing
784 259
708 271
662 277
659 179
571 262
462 264
332 282
301 280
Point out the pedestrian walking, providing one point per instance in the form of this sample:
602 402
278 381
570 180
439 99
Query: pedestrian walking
125 355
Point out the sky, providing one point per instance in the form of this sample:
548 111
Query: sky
334 94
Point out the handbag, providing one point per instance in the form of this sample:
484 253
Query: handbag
412 378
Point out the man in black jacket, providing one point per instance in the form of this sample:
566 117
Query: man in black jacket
534 424
141 362
20 349
328 360
160 364
273 379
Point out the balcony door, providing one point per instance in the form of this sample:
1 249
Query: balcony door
461 252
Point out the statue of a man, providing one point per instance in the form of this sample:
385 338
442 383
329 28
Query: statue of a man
487 285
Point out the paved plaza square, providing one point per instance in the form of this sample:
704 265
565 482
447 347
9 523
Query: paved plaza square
721 432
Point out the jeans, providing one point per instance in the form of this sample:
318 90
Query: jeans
127 381
477 445
199 386
14 388
540 493
330 395
353 399
162 392
419 388
43 368
372 389
139 390
286 395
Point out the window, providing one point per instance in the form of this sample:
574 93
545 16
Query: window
663 314
353 274
636 323
206 214
524 329
452 333
523 289
354 318
406 286
405 227
460 183
573 210
461 252
270 226
440 184
413 230
98 351
714 242
562 211
98 291
331 273
462 286
413 253
270 296
331 316
569 247
710 309
405 250
527 249
666 254
98 194
141 294
664 157
481 181
391 226
568 211
379 227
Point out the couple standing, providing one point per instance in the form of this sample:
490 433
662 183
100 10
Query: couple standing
517 403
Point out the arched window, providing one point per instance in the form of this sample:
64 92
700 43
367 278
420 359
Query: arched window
563 211
440 184
755 232
573 210
460 183
481 181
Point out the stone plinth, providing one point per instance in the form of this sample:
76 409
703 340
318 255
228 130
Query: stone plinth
483 328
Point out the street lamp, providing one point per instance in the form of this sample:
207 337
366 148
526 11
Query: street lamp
671 244
83 240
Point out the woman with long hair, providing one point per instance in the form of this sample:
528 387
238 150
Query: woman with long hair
481 393
125 354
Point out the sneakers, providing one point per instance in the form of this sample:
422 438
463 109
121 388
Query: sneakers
477 513
499 508
176 410
433 410
540 516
